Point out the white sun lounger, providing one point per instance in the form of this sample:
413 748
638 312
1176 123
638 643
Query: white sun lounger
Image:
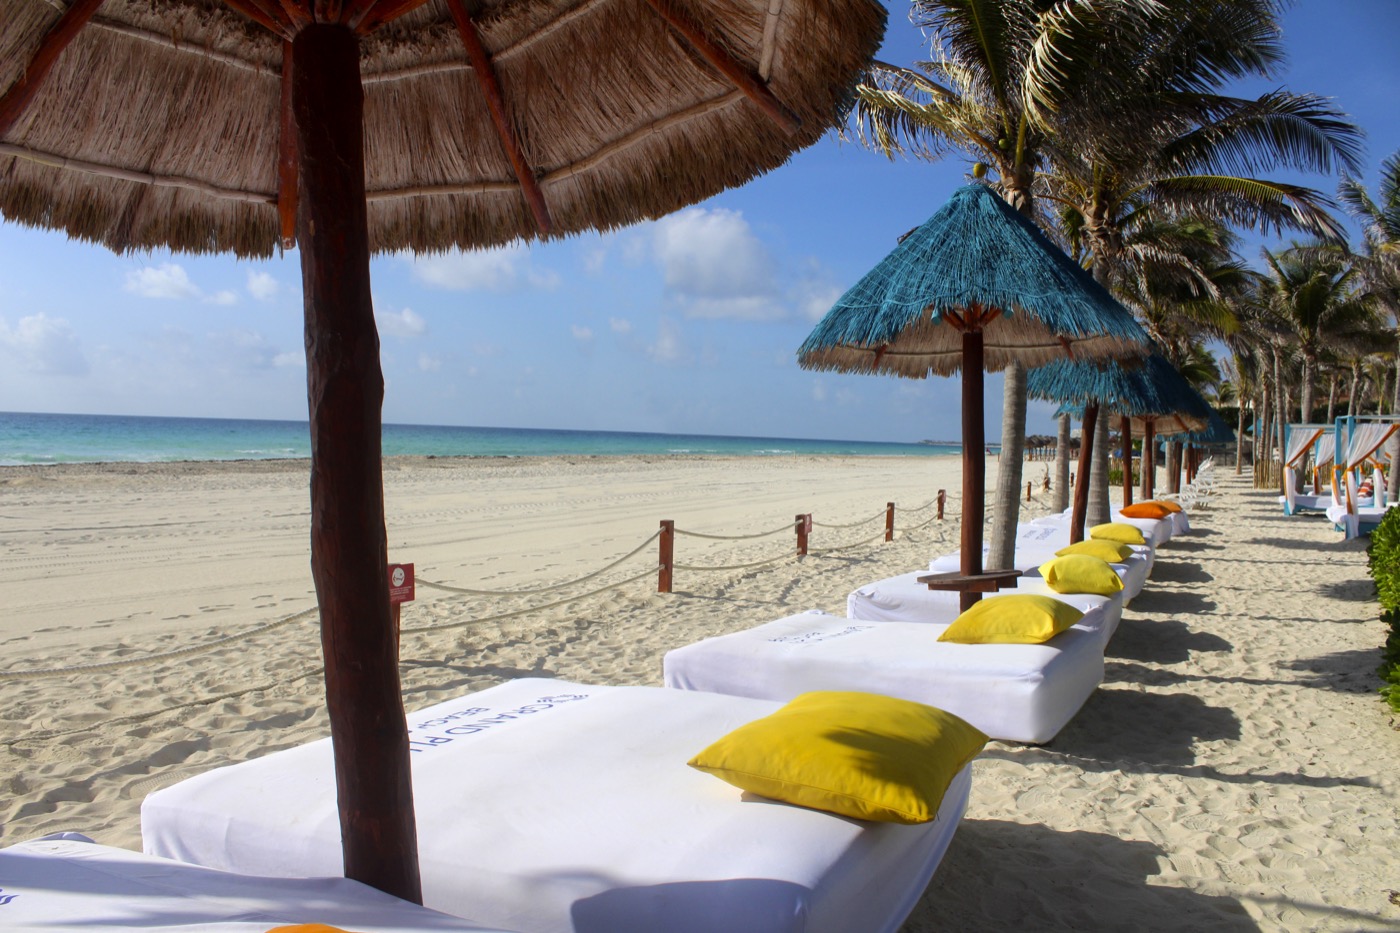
71 883
546 806
1018 693
905 599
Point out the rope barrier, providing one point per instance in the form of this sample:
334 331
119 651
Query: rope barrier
864 521
152 658
419 630
541 589
846 547
761 563
762 534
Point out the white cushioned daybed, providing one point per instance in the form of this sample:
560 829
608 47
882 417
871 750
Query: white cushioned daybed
546 806
1018 693
68 882
905 599
1157 531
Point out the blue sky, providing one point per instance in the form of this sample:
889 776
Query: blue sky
685 325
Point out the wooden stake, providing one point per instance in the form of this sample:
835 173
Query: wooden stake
17 98
802 522
942 501
496 105
889 521
1081 487
740 76
349 550
667 557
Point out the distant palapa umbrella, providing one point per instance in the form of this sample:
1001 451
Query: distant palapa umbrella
976 286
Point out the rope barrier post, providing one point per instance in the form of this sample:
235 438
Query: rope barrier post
889 521
942 498
1028 492
400 592
804 528
668 546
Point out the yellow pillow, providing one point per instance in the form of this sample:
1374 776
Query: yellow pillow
1145 510
1015 619
1117 531
1081 573
1111 551
1167 504
855 754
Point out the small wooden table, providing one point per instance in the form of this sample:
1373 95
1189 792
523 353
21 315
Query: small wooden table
970 587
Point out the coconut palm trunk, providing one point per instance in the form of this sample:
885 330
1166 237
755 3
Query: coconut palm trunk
1098 511
1059 500
1001 552
1332 398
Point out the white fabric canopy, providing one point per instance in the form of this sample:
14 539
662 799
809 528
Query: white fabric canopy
1366 437
1018 693
1300 438
1326 445
71 883
552 807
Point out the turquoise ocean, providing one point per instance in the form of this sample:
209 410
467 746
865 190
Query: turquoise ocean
52 438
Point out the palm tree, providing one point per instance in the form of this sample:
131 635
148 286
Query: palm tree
993 59
1315 294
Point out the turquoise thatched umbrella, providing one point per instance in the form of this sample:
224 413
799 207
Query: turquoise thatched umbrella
977 286
1215 431
1140 391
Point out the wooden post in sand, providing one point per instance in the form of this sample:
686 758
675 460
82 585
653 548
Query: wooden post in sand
804 527
668 548
889 521
942 499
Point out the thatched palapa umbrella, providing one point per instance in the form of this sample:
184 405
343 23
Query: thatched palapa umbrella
1140 391
976 286
352 126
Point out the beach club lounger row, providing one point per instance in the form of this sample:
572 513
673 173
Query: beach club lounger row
551 806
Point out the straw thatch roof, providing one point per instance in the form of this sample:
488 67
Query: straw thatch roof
1151 387
159 124
977 253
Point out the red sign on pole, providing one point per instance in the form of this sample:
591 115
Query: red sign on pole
400 584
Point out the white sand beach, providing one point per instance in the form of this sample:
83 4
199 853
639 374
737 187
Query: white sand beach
1236 770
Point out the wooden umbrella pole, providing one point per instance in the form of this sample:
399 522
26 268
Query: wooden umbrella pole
349 552
1127 461
974 459
1149 458
1081 487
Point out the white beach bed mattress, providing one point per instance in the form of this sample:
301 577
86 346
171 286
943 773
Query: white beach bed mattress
1018 693
547 806
905 599
74 884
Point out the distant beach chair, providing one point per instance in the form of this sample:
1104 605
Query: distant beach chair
1017 693
555 807
68 882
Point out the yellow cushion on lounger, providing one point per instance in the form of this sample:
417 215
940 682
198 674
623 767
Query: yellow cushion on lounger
1145 510
861 755
1111 551
1015 619
1117 531
1081 573
1167 504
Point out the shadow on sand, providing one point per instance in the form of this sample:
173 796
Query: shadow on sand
1161 641
1000 875
1176 571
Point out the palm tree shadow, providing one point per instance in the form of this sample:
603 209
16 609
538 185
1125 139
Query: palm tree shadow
1136 731
1161 641
1359 590
1179 572
1001 875
1172 602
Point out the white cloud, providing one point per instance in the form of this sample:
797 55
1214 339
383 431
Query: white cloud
669 347
581 334
405 323
248 349
170 281
41 344
503 268
620 325
262 286
429 364
289 360
712 254
818 392
594 260
164 281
